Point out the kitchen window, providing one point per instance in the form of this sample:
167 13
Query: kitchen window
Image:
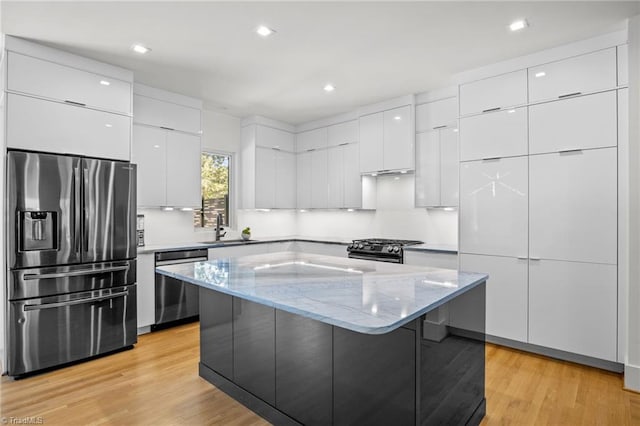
215 171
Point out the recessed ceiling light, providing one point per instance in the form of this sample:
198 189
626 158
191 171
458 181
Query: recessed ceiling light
518 25
156 146
104 82
138 48
167 209
349 210
455 130
374 174
511 111
397 117
403 171
329 87
108 125
264 31
541 74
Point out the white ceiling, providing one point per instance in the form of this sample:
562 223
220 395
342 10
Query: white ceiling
369 51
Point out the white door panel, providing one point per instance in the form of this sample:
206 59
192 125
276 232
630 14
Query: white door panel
496 134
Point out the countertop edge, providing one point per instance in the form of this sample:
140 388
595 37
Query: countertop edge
328 320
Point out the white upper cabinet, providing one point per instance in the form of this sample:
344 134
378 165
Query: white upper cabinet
436 114
319 179
50 80
169 115
449 167
494 207
570 77
270 137
342 133
577 123
428 169
398 150
335 177
623 65
573 206
371 142
41 125
285 180
183 170
149 152
573 307
494 93
353 184
268 170
311 139
303 181
168 167
506 293
493 135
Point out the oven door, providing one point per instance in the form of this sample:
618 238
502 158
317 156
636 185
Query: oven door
50 331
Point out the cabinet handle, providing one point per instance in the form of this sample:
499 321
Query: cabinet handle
522 258
491 159
537 259
570 151
568 95
275 148
311 150
491 109
343 144
75 103
166 128
440 127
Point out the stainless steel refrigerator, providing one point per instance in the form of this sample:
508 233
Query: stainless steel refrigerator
71 249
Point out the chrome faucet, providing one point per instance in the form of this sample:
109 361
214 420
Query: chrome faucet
219 227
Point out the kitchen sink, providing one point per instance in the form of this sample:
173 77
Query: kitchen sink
239 240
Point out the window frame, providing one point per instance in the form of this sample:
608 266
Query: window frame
232 209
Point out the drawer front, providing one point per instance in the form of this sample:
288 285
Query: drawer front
436 114
56 330
54 81
496 134
502 91
39 125
158 113
577 123
581 74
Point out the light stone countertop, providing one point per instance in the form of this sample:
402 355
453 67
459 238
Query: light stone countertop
359 295
441 248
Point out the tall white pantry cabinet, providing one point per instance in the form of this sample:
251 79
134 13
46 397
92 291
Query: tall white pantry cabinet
539 200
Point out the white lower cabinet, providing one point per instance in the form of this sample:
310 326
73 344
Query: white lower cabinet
235 251
573 307
40 125
573 206
506 294
494 207
146 288
433 259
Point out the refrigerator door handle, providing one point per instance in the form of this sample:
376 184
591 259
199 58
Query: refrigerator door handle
30 277
75 209
75 302
85 211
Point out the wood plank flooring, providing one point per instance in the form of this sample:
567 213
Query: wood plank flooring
157 383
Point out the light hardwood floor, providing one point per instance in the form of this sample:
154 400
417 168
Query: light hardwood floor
157 383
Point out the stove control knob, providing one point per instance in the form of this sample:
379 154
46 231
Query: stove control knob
389 249
360 246
350 247
396 249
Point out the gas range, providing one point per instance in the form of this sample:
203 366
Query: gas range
380 249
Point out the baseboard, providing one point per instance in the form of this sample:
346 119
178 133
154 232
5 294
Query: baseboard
632 377
557 354
144 330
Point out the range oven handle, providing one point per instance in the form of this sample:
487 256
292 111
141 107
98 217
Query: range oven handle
76 302
375 257
28 277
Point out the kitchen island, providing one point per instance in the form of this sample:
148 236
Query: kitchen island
311 339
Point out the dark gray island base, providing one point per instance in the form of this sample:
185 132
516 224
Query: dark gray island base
292 369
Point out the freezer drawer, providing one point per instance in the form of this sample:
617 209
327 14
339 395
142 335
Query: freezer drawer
51 331
56 280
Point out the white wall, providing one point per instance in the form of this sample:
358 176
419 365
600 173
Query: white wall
395 217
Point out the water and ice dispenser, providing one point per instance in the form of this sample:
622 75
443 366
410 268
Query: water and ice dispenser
38 230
